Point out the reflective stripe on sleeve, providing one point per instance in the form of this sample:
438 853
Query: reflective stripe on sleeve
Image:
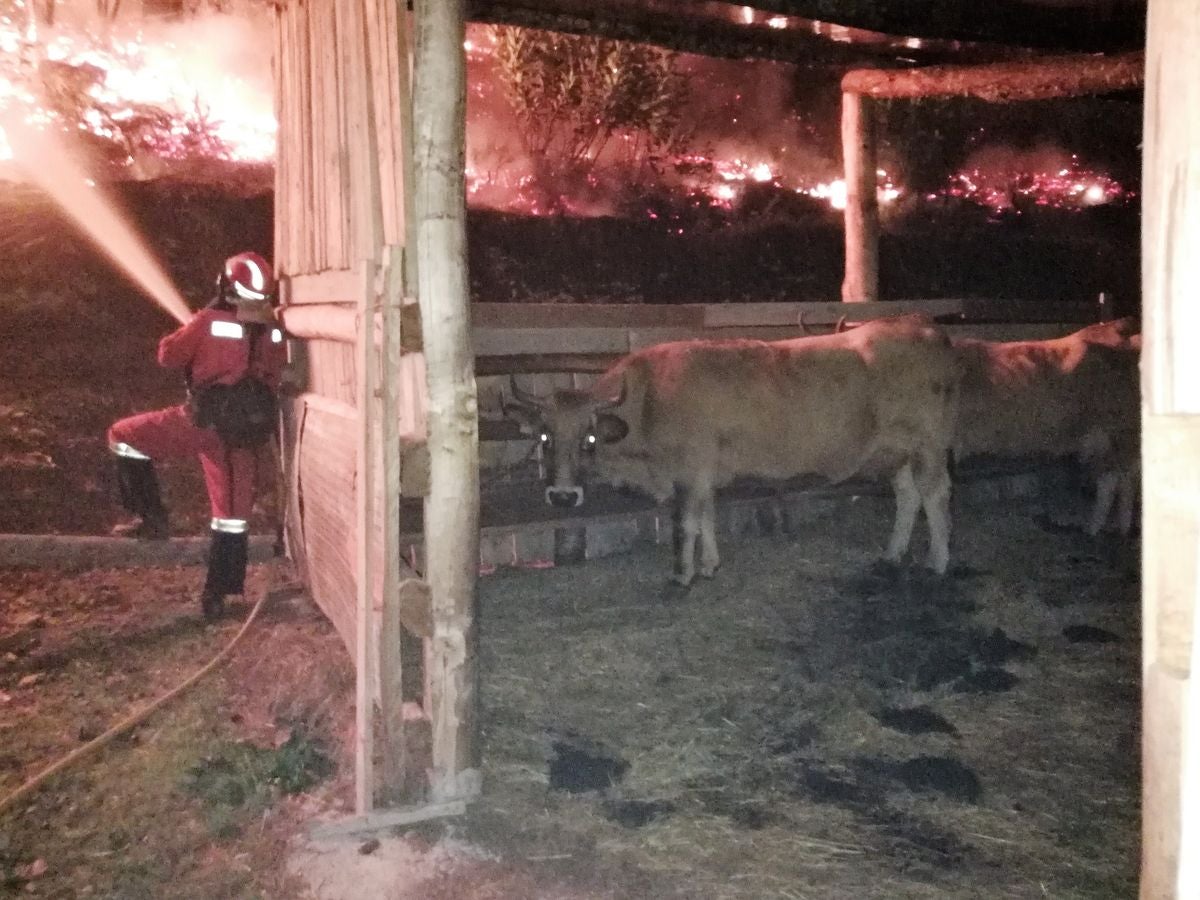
123 449
276 336
229 526
222 329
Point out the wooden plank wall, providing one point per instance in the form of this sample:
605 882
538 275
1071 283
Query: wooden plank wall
326 479
336 73
317 55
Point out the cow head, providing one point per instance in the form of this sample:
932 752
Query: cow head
570 427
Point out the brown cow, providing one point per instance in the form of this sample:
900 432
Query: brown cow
1070 396
682 419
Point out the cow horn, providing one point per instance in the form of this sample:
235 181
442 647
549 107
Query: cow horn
838 328
616 400
521 398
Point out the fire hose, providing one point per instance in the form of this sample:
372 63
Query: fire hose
134 719
131 721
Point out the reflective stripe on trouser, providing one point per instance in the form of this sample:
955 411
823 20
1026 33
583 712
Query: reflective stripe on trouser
124 451
230 526
169 433
227 556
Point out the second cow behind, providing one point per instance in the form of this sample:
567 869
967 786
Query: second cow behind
681 419
1072 396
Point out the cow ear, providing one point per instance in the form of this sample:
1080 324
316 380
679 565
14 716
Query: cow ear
528 419
610 428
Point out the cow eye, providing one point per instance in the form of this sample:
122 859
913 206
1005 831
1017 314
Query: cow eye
589 441
544 437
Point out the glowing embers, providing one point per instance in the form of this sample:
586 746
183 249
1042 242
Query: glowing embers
835 192
1010 189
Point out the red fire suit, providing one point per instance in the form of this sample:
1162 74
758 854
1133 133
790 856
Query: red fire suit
215 348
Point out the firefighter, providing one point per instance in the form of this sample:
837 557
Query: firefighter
235 336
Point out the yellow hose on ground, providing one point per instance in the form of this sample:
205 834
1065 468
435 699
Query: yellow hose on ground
130 721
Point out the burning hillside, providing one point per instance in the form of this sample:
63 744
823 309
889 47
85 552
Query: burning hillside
145 94
556 124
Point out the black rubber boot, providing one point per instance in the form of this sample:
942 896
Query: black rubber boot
138 484
227 557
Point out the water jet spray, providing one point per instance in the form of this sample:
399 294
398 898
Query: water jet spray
50 165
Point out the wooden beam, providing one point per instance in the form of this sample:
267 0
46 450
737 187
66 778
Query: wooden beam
531 363
391 682
899 34
1044 79
1170 450
714 29
339 322
1066 25
388 819
452 508
364 743
861 281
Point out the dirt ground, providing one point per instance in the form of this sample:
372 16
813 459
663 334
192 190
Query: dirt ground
800 726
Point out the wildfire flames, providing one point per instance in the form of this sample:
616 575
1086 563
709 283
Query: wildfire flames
170 92
203 89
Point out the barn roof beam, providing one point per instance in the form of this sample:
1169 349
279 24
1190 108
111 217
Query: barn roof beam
1044 79
1066 25
715 29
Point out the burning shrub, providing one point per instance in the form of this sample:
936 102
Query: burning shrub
581 100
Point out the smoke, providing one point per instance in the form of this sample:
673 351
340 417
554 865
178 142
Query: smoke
997 161
748 110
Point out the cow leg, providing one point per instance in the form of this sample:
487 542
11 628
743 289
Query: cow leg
1106 492
686 516
908 503
934 486
710 559
694 515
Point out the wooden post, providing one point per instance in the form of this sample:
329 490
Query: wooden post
361 234
452 508
391 686
364 743
862 207
1171 452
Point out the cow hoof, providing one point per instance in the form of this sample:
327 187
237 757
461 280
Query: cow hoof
675 590
938 568
886 570
706 572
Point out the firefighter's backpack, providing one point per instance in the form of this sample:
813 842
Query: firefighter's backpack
244 413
